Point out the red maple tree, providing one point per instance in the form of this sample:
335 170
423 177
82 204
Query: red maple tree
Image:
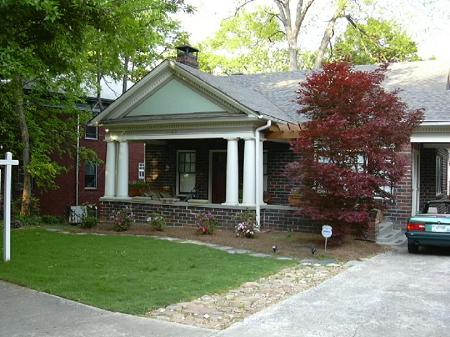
349 148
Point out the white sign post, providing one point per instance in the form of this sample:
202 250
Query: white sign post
8 162
327 232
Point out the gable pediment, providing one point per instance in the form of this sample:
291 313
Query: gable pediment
169 92
174 98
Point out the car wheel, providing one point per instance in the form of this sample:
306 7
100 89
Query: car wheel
413 248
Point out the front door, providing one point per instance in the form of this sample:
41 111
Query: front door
218 177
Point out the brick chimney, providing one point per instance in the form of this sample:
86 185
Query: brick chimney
187 55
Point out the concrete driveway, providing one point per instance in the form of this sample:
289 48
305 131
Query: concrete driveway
394 294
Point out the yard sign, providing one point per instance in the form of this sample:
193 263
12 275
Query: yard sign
8 162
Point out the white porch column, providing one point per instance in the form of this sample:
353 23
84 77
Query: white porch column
260 172
248 195
110 169
232 190
122 172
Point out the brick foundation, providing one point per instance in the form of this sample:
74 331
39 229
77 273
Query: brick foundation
280 218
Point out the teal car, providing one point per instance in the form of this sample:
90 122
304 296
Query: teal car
431 227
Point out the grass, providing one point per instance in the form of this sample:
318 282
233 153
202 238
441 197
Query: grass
123 273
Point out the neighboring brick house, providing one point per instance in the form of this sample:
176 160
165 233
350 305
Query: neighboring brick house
221 143
91 178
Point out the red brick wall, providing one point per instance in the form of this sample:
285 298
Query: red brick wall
278 185
56 202
400 210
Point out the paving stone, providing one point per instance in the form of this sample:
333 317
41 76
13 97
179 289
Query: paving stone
218 311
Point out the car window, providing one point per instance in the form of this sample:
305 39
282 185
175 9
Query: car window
438 207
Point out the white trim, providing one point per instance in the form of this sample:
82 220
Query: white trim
178 134
439 174
210 173
415 176
141 170
177 187
435 123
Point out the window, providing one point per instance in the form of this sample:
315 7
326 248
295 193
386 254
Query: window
186 171
265 174
141 171
91 132
90 176
439 175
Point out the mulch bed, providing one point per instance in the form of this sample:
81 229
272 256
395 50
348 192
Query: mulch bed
294 244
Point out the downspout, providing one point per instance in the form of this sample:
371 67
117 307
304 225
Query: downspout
258 173
77 166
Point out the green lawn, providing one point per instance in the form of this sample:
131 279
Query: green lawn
126 274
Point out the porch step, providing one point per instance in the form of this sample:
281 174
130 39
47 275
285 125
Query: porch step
389 236
385 227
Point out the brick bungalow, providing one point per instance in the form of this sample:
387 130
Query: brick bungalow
221 143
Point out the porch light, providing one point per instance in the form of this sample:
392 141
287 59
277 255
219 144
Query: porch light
106 130
274 249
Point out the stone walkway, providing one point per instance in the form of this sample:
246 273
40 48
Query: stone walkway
227 249
219 311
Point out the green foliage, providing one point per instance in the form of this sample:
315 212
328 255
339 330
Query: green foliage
375 42
157 222
247 224
89 222
99 270
52 220
30 220
206 223
246 43
48 49
122 219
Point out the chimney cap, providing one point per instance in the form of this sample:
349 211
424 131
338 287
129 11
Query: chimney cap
187 49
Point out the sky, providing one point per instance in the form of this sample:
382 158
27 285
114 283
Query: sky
426 21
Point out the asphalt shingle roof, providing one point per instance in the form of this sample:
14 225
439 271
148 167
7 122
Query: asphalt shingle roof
422 84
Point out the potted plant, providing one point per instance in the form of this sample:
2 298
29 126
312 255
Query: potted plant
137 188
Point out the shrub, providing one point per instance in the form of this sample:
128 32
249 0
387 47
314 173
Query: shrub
122 219
21 221
206 223
89 222
51 219
157 222
246 226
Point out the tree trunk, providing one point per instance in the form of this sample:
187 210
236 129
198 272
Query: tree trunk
99 91
126 61
327 35
293 56
20 111
292 26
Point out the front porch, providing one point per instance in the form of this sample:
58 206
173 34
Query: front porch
186 177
